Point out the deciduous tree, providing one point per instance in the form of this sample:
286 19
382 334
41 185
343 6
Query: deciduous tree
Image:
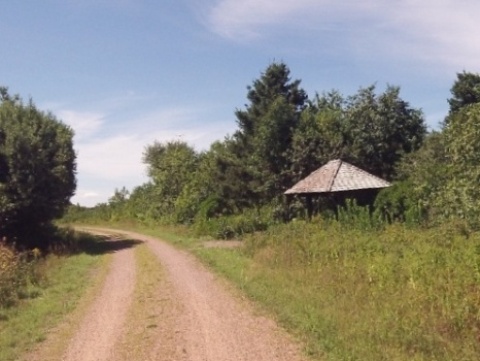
461 194
381 129
37 167
170 165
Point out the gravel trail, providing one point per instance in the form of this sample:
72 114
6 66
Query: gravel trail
207 323
198 316
104 321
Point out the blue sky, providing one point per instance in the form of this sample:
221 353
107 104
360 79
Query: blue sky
123 73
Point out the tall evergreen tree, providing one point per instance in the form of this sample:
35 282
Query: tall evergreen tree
265 132
465 91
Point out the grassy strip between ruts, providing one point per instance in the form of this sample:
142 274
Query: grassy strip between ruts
66 279
146 312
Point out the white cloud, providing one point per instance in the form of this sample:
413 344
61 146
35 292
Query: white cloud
85 124
89 194
439 32
119 157
111 158
231 18
87 197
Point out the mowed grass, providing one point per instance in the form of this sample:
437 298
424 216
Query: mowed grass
65 278
395 294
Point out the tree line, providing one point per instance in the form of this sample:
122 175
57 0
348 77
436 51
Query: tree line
282 135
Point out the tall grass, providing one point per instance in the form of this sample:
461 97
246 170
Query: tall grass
393 294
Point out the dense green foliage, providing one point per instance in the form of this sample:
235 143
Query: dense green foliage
465 91
461 193
37 168
444 172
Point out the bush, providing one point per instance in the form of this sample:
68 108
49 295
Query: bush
228 227
16 273
359 217
398 203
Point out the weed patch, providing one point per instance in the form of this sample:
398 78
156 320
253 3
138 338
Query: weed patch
398 293
19 276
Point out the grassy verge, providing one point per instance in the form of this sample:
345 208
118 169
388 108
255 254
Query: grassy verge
64 281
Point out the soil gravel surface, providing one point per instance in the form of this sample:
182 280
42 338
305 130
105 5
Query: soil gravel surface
204 320
103 324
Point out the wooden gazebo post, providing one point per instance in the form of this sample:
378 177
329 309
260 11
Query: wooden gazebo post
309 201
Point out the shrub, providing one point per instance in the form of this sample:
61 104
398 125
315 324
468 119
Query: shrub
16 273
228 227
397 203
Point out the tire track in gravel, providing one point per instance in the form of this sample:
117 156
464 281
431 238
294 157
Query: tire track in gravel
204 321
103 324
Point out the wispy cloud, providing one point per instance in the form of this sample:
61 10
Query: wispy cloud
441 31
244 19
85 124
436 31
247 19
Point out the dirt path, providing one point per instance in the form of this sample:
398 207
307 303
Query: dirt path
203 321
104 321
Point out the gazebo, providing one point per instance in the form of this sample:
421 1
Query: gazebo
340 180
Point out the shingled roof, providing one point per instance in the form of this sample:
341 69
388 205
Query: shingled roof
337 176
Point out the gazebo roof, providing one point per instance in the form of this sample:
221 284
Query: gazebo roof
337 176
